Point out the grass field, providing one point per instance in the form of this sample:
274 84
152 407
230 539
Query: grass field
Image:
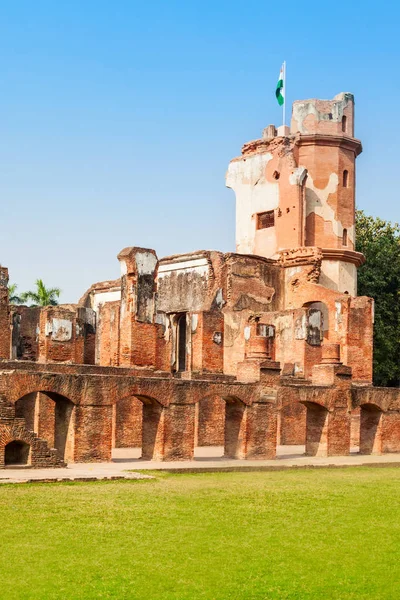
299 535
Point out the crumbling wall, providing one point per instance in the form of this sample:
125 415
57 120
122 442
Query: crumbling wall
5 329
67 334
138 332
254 287
269 188
25 332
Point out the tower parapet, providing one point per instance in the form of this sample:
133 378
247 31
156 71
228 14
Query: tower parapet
329 117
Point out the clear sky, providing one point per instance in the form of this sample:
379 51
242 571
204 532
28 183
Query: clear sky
118 119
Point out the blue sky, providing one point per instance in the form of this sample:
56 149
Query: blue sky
118 119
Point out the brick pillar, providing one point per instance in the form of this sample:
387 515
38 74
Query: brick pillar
329 420
251 431
93 433
328 431
179 426
339 426
213 341
46 419
370 430
391 431
5 326
261 428
138 332
168 432
128 423
210 419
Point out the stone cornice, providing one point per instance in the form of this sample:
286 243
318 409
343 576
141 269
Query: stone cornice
319 139
349 256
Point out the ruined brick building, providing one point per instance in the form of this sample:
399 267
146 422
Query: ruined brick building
249 350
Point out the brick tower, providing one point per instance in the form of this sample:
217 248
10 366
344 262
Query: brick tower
296 188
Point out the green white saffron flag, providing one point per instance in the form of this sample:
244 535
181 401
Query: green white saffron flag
280 91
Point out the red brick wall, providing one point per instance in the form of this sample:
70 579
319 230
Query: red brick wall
93 433
128 423
210 422
292 418
360 338
213 349
108 334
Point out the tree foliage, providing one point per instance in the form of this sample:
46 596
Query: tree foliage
42 296
379 278
13 297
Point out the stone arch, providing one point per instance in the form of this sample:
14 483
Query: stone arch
148 419
235 427
370 429
15 433
22 384
51 416
230 426
17 452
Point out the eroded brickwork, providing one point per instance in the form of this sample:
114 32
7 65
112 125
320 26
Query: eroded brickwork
269 345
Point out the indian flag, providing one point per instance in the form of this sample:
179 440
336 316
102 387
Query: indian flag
280 90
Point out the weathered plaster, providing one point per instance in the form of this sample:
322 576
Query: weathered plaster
254 194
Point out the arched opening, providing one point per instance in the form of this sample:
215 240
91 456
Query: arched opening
344 124
210 427
345 178
17 452
370 429
138 429
51 416
316 430
234 428
152 430
344 237
181 343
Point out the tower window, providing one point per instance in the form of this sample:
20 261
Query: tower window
345 178
344 124
344 237
265 219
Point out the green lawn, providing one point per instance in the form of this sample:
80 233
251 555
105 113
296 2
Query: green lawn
299 534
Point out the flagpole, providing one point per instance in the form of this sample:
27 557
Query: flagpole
284 93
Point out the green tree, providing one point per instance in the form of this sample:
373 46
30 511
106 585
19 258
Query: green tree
379 278
42 296
13 297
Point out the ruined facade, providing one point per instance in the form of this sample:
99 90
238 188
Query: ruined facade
269 345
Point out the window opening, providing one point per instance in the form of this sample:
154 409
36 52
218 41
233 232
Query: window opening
265 219
181 342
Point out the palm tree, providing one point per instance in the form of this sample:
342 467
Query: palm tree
42 296
13 297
